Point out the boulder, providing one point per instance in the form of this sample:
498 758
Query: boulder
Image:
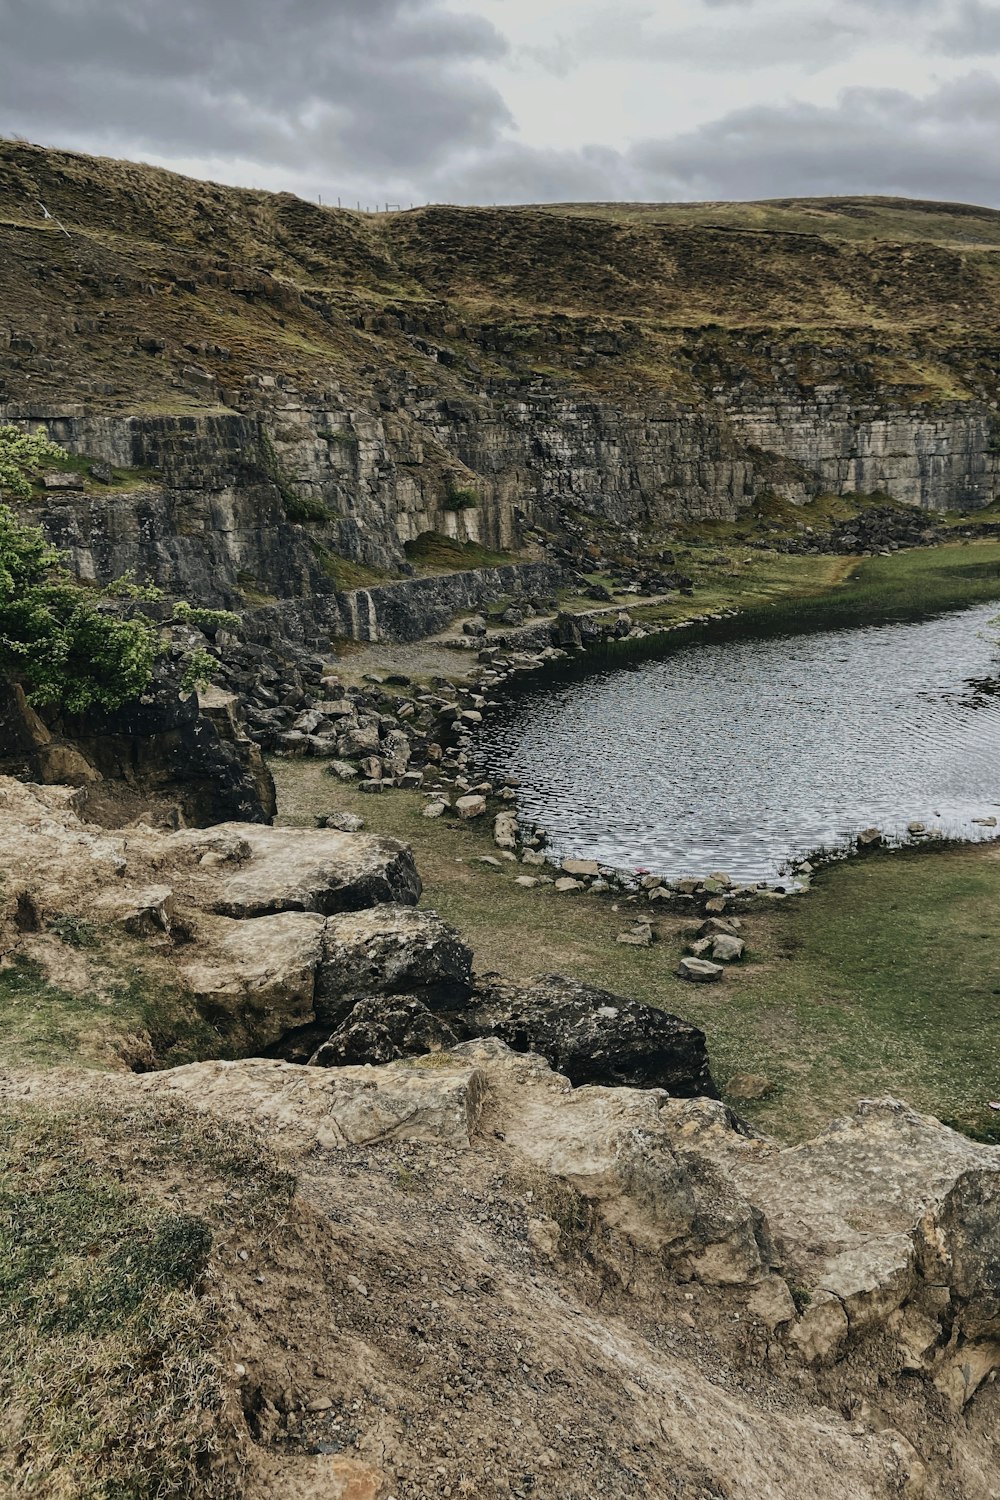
391 950
254 980
305 1108
357 742
580 867
381 1029
311 870
472 806
567 884
590 1035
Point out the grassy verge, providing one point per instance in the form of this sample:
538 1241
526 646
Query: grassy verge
106 1008
880 980
112 1381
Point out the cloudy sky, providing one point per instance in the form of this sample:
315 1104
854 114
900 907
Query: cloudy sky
483 101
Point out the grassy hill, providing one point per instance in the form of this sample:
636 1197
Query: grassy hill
672 297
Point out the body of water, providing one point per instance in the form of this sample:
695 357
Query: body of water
744 755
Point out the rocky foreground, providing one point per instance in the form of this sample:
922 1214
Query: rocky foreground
487 1277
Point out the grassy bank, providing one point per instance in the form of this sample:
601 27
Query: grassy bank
881 980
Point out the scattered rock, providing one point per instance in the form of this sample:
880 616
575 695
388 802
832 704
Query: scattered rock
343 822
727 949
470 807
639 936
699 971
747 1087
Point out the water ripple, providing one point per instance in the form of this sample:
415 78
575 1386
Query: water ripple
742 755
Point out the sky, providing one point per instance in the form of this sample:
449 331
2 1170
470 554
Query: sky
520 101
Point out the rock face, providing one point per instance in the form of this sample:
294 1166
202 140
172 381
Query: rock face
391 950
193 752
366 426
235 916
591 1035
782 1321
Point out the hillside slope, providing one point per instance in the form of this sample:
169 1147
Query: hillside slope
374 377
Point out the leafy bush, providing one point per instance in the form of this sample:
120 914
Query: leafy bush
461 499
198 672
206 619
60 640
21 454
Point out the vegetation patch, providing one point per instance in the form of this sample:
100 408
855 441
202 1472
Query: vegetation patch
112 1384
120 1013
431 552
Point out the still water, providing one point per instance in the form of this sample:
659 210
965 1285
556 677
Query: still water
744 755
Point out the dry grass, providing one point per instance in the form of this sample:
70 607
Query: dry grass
112 1219
879 293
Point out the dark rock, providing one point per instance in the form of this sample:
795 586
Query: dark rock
391 950
591 1035
381 1029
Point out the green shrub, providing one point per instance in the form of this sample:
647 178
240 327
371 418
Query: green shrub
21 454
461 499
61 641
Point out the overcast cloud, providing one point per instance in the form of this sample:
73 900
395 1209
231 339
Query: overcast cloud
520 100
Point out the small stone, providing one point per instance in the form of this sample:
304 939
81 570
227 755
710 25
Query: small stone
470 807
435 809
342 769
527 882
986 822
640 936
699 971
580 867
343 822
869 838
532 857
727 949
371 785
716 905
916 828
748 1086
567 883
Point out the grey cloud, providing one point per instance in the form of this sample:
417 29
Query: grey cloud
335 87
975 31
633 36
872 141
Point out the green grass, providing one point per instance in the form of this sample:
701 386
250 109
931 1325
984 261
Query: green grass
881 980
345 573
112 1381
81 463
126 1015
433 553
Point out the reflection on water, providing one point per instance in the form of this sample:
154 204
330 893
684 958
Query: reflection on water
742 755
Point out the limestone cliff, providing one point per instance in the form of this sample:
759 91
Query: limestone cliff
292 386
